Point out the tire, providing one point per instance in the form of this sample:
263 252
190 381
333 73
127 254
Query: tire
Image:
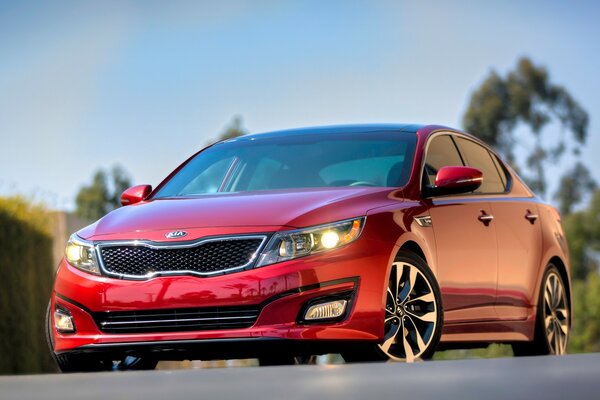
306 360
553 306
92 363
413 318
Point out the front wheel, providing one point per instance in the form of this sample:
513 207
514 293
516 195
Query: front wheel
413 314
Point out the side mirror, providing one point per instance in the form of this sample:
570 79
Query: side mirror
135 194
454 180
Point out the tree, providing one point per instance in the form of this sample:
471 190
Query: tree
120 182
575 184
234 129
586 310
103 194
25 240
527 96
583 235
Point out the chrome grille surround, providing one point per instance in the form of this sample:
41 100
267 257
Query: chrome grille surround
100 246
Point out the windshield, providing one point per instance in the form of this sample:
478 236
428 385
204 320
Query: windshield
296 161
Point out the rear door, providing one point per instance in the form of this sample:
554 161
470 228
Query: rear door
466 242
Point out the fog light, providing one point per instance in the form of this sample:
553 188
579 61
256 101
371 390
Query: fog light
331 309
63 322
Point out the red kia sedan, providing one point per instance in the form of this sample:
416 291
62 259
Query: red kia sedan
377 242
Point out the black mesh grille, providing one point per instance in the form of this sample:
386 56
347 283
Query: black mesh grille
175 320
206 258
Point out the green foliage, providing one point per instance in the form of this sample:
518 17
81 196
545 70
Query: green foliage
103 194
575 184
120 182
92 200
526 96
583 234
26 274
488 115
586 312
492 351
234 129
582 229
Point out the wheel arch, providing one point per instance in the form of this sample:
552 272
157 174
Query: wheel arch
421 243
562 270
413 244
413 247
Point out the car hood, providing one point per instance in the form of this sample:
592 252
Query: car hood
277 208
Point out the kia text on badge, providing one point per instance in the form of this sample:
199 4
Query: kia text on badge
176 234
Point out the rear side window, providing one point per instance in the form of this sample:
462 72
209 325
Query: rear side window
501 170
477 156
441 152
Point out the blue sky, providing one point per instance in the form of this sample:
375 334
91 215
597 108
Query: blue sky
145 84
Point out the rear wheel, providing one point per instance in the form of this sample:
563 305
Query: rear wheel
552 321
91 363
413 314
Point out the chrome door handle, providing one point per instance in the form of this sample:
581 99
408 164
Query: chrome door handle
485 218
531 217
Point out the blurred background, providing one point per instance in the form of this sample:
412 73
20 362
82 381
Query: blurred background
97 96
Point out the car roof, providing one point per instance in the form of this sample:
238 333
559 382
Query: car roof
333 129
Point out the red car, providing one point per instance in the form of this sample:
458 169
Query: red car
373 241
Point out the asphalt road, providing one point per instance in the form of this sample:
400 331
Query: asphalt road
569 377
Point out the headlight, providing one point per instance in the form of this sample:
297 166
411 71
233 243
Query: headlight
287 245
82 254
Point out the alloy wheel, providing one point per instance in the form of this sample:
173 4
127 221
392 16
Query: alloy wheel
411 313
556 314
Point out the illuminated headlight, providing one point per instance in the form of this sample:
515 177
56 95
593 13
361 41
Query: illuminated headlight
288 245
81 254
329 310
63 321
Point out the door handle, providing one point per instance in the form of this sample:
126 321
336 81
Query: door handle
531 217
485 218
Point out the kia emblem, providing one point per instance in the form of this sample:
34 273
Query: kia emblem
176 234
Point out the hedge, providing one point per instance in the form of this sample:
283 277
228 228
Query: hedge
26 276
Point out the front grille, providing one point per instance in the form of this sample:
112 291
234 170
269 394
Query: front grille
207 257
177 320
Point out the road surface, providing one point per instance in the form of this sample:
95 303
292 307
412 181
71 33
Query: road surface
569 377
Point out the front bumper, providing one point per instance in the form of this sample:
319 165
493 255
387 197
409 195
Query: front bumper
281 290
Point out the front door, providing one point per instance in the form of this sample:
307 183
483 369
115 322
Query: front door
465 239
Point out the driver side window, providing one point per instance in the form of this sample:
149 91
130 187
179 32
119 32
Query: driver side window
441 152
